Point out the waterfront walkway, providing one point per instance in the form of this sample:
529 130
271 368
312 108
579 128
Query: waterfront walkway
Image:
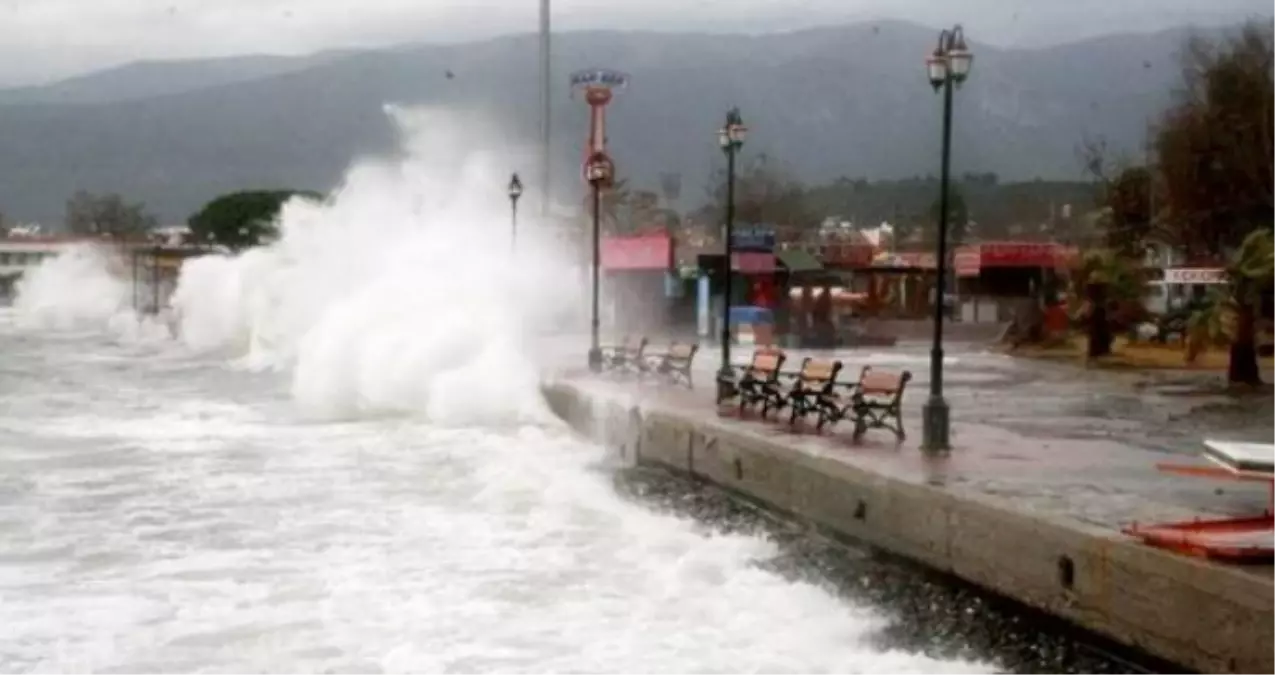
1049 463
1050 439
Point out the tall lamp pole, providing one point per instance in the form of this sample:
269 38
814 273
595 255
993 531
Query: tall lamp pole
598 172
515 191
947 68
545 109
731 138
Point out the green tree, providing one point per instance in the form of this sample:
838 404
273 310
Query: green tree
1127 200
644 210
613 205
108 215
765 192
1215 145
1232 314
1112 288
241 220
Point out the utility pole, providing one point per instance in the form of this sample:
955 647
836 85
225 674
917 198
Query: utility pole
1149 162
545 109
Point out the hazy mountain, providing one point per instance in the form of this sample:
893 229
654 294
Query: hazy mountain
848 100
144 79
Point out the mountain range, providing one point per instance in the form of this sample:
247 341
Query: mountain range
848 100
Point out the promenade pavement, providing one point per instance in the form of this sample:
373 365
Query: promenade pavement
1044 438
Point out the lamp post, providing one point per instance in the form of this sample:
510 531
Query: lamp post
731 138
947 68
515 191
598 172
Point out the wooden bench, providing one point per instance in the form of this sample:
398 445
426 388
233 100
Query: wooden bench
876 402
627 356
673 365
758 382
814 393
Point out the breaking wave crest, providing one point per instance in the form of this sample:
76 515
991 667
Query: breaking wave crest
400 293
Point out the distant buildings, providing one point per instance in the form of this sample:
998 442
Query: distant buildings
26 251
25 247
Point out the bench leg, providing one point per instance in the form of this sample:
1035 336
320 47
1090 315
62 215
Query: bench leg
828 415
773 404
860 427
798 414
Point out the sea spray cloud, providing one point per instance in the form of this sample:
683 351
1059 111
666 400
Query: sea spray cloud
84 287
400 293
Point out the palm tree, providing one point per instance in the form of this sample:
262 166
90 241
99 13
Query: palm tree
1209 326
1232 315
1108 280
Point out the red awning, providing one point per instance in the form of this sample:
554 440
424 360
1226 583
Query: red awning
967 261
970 260
647 252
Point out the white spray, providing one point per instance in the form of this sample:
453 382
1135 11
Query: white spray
399 294
81 288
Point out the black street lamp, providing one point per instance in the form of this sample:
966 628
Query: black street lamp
515 191
598 172
947 67
731 138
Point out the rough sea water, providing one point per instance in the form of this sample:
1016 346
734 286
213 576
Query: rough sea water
343 464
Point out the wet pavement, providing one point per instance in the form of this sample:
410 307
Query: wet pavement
1047 438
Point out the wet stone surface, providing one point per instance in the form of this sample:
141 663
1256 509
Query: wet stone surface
928 613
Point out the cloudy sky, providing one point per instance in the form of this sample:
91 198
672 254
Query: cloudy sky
49 39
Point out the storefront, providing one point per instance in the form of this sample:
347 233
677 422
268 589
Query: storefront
636 273
900 285
754 279
995 277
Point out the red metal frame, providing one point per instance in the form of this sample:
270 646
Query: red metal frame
1245 540
1248 539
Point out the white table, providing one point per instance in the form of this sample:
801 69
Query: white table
1255 459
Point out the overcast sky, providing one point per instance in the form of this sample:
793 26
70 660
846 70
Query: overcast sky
49 39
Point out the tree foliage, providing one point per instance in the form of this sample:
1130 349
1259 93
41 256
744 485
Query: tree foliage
765 192
613 204
241 220
958 218
1231 315
1215 145
1127 199
1109 288
106 215
1035 209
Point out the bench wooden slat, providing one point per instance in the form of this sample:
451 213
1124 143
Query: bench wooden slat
758 382
766 362
818 370
813 393
681 351
877 402
880 382
627 356
674 364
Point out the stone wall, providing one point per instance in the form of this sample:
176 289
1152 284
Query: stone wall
1188 611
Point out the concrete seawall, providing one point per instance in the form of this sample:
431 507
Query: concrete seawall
1201 615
